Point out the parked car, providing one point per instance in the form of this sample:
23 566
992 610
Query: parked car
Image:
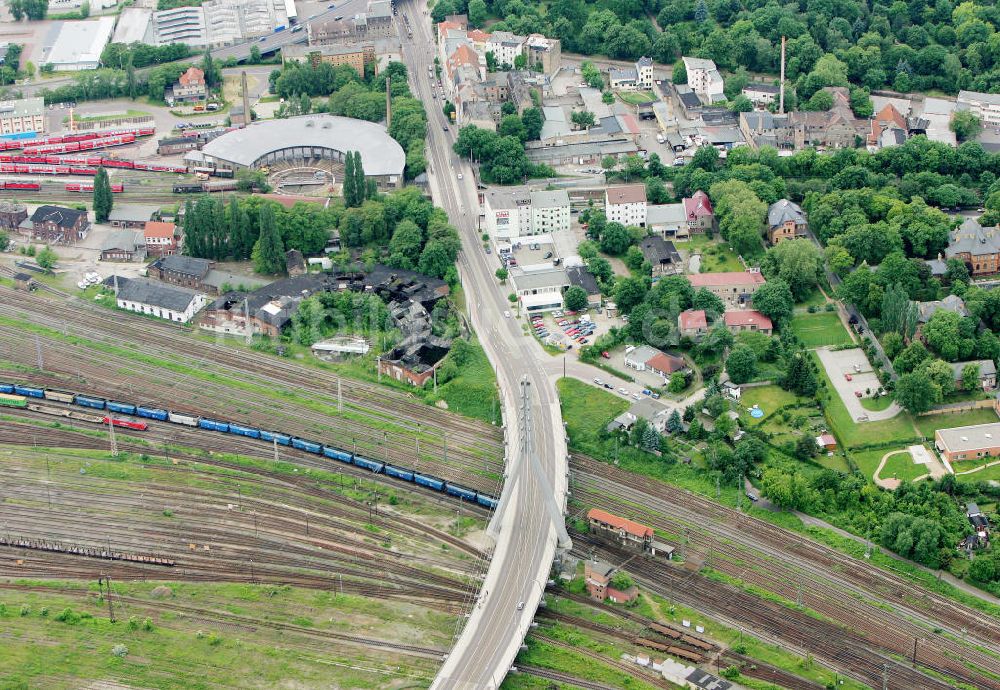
584 341
636 396
606 355
548 255
753 499
599 382
848 377
506 314
609 386
623 391
655 396
646 391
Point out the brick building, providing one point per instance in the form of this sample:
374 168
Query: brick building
600 579
732 287
190 86
161 238
12 215
124 245
749 320
181 270
785 221
133 216
620 530
693 323
59 225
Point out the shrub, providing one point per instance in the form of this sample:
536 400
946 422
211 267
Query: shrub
120 650
830 307
811 309
68 616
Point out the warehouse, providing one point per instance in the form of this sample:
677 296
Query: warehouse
309 141
77 46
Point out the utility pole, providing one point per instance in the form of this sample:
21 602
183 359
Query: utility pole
781 87
246 319
275 440
111 608
885 676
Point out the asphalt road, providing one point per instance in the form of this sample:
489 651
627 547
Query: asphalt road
526 543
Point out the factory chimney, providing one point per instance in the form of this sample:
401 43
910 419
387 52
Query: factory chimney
781 87
246 98
388 101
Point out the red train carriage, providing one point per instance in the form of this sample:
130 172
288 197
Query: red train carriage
30 186
137 426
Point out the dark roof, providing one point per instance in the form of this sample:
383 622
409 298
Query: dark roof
657 250
690 99
21 277
155 294
60 215
707 681
185 265
581 277
761 88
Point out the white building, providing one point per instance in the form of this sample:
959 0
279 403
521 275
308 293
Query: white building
158 299
623 77
626 204
77 45
219 22
180 25
505 46
507 213
24 115
549 211
135 25
761 95
644 70
985 106
704 78
540 290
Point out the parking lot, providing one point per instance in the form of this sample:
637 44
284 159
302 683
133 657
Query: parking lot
564 330
850 373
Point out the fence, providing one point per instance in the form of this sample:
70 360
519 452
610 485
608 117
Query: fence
959 407
85 125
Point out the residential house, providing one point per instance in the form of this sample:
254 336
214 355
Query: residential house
968 442
646 358
826 442
163 301
977 246
160 237
732 287
59 225
925 310
506 47
626 204
690 102
540 290
190 86
987 376
598 577
980 525
661 254
619 530
22 116
12 214
887 125
181 270
644 71
693 324
549 211
581 277
623 78
761 95
668 221
355 55
785 221
544 54
124 245
507 213
834 128
699 212
704 79
132 215
748 320
985 106
761 128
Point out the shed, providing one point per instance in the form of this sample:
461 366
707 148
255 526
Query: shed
826 441
22 281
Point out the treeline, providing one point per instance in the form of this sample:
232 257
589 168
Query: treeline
352 95
142 54
906 45
501 157
32 9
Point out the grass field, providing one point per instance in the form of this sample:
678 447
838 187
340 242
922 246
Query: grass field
716 256
928 424
819 329
587 409
902 467
636 97
876 404
769 398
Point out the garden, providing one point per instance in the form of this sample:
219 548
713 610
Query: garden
820 329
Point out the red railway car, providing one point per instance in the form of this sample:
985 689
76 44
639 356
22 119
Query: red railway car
137 426
30 186
89 187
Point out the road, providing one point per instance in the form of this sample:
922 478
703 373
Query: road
522 557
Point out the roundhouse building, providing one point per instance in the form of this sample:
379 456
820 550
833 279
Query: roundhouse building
320 141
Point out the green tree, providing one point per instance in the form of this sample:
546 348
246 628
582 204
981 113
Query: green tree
741 364
4 241
349 183
629 292
674 420
575 298
583 119
615 239
680 75
970 377
502 274
799 377
965 124
678 382
532 120
591 75
477 13
741 104
103 199
774 300
268 253
911 358
513 126
797 262
46 258
916 392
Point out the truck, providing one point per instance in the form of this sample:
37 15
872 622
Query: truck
280 28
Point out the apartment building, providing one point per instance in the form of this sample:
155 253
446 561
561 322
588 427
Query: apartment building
626 204
732 287
986 106
23 115
704 79
549 211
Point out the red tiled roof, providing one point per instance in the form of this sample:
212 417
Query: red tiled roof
626 194
693 318
726 278
155 228
827 440
698 205
192 76
890 114
668 364
751 317
478 36
629 526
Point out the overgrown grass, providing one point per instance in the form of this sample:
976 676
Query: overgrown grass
587 409
819 329
636 97
716 256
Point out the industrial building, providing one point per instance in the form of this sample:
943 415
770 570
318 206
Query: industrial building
968 442
315 141
77 46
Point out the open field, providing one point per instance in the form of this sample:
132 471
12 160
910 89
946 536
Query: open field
636 97
716 257
820 329
928 424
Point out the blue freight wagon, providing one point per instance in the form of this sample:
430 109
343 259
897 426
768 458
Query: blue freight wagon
282 439
29 391
464 494
399 473
241 430
430 482
6 387
213 425
95 403
367 464
486 501
306 445
124 408
331 452
151 413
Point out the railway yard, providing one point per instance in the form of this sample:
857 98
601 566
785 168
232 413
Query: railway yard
303 554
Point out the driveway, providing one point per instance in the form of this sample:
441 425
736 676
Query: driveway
840 362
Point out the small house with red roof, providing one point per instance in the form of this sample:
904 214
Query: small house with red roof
887 126
161 238
732 287
620 530
693 323
601 581
748 320
699 212
826 442
190 86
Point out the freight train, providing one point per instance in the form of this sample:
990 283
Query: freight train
198 187
15 390
92 161
135 132
21 401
